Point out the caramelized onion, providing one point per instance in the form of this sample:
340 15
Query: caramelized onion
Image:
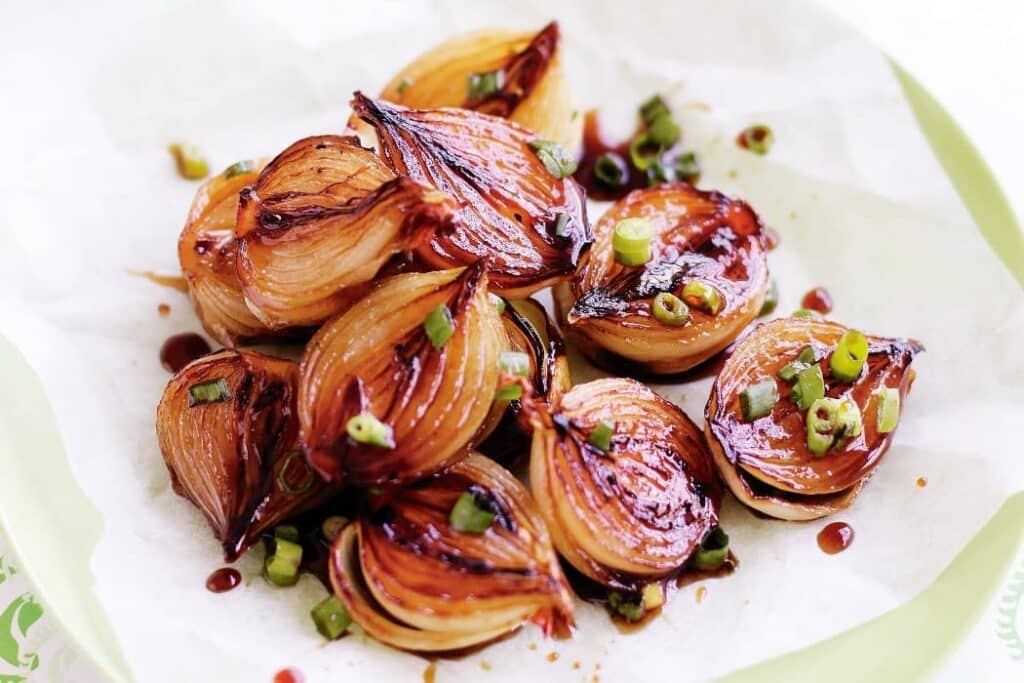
767 463
318 225
411 581
206 251
533 92
632 514
376 358
237 457
512 204
697 235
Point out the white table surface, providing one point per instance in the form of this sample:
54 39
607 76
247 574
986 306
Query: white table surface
969 55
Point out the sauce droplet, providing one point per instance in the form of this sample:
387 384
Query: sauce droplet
922 482
289 676
771 238
818 299
552 656
576 665
701 592
164 310
430 673
173 281
223 580
181 349
835 538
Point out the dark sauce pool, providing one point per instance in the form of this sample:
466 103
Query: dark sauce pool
594 146
181 349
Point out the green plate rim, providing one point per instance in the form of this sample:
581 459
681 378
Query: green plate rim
64 585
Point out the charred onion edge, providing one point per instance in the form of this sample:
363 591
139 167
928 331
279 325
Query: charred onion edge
523 71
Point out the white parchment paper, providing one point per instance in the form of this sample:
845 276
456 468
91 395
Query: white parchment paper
94 95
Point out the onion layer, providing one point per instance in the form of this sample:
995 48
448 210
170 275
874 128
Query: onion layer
376 358
513 206
533 92
206 251
637 512
767 463
318 225
697 236
237 458
411 581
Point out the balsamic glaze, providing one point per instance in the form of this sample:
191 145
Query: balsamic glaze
835 538
818 299
223 580
181 349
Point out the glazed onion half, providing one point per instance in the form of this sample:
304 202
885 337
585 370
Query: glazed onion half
515 75
320 222
377 360
410 579
526 221
631 506
228 434
206 252
697 239
765 457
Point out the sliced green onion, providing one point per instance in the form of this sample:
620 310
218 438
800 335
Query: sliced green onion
643 151
239 167
702 295
286 532
652 596
713 550
631 241
282 567
805 313
211 391
809 387
498 302
848 359
625 606
555 158
485 84
663 131
757 400
771 298
687 167
469 516
804 359
402 85
331 618
561 224
610 170
670 309
659 173
512 363
758 138
439 326
653 108
190 161
830 421
888 409
308 475
369 431
601 436
332 526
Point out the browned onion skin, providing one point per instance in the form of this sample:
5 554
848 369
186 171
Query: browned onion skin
637 513
697 235
766 463
320 222
377 358
444 148
411 581
227 457
206 252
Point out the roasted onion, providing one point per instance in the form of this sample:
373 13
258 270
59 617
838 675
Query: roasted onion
228 433
766 462
377 359
318 225
697 235
513 205
206 251
412 581
636 512
532 89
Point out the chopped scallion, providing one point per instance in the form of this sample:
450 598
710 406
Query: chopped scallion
561 225
331 618
631 241
809 387
498 302
601 436
239 167
652 596
830 421
282 567
888 409
512 363
805 313
663 131
610 170
670 309
849 356
402 85
190 161
369 431
804 359
687 167
286 532
210 391
555 158
702 295
439 326
643 151
469 515
713 550
484 85
626 606
757 400
653 108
